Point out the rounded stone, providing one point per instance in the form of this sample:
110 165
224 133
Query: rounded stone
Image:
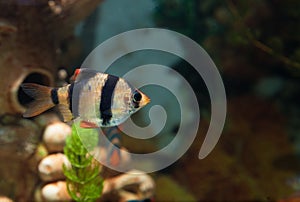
55 135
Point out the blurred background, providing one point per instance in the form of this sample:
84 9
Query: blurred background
256 47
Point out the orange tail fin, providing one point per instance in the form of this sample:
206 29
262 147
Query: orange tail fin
42 99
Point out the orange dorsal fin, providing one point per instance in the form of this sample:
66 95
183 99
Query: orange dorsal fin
75 75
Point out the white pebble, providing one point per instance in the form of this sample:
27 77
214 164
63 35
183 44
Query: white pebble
55 135
50 168
5 199
56 191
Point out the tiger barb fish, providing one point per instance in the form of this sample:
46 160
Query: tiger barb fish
98 99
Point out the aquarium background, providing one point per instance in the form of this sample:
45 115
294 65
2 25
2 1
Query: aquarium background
255 46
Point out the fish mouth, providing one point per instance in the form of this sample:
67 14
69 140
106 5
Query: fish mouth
145 100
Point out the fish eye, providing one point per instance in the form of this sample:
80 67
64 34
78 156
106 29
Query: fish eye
137 96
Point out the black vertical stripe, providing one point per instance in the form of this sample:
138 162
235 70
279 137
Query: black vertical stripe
106 98
54 96
70 95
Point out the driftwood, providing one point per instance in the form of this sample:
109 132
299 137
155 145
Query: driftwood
35 36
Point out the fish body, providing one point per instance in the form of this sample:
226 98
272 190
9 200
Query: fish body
98 99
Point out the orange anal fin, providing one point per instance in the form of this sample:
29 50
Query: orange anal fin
86 124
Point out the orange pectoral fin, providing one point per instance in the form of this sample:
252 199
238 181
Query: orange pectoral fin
86 124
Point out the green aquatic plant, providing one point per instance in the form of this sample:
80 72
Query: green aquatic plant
84 182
